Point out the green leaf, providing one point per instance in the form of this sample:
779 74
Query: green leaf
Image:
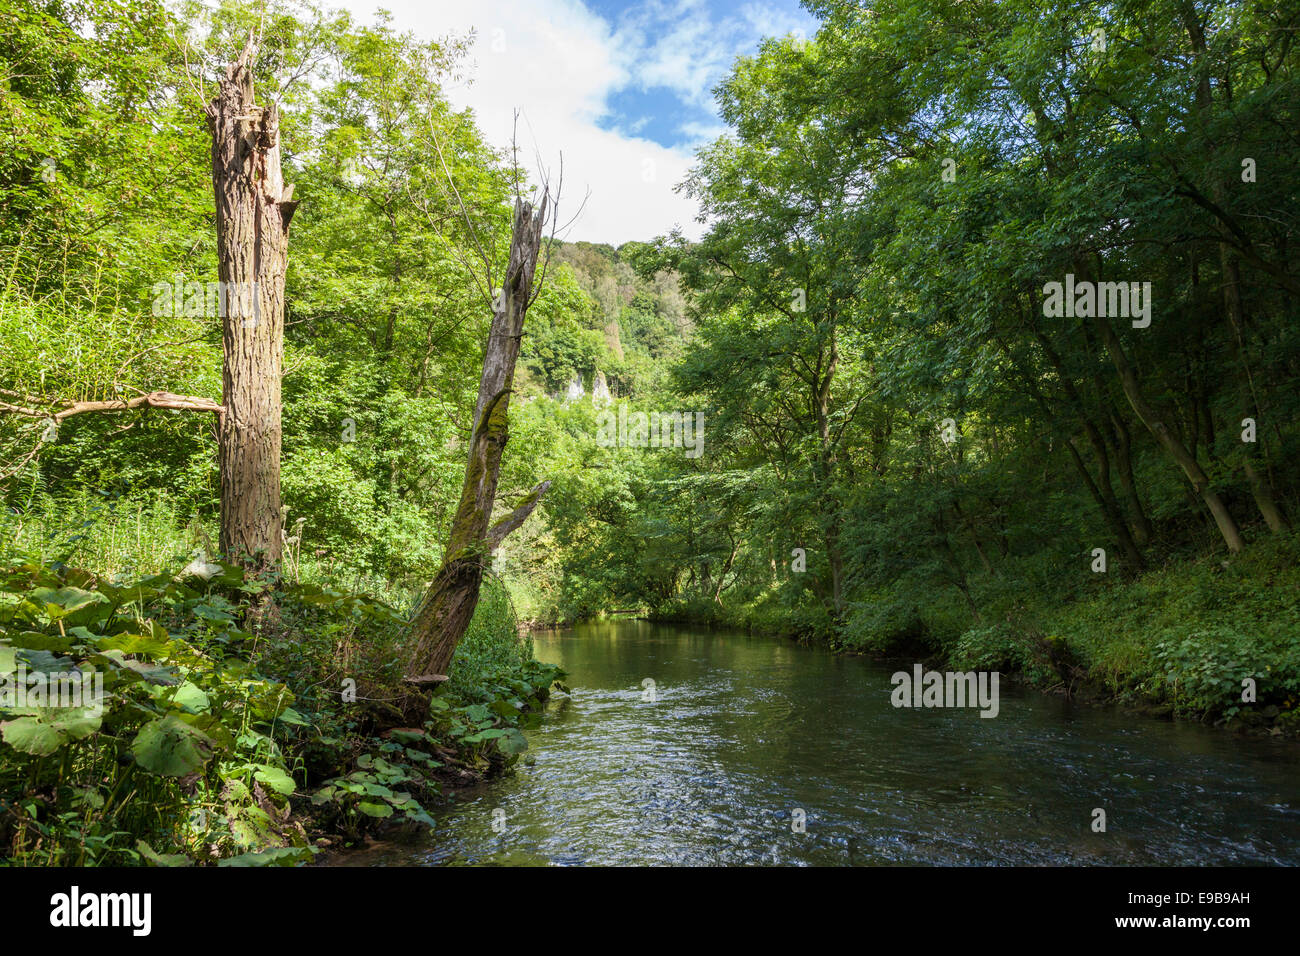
153 673
419 815
513 743
171 747
189 697
49 728
61 602
152 645
215 614
483 735
291 716
31 736
277 856
162 859
275 778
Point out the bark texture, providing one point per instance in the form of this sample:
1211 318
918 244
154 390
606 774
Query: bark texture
253 209
445 611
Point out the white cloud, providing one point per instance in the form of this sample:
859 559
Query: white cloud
703 132
688 56
556 63
768 20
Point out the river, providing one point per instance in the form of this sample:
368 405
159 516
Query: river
748 736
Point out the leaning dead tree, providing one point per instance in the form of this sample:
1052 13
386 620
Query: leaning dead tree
444 613
253 211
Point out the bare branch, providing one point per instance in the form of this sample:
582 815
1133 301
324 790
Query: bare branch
497 533
159 399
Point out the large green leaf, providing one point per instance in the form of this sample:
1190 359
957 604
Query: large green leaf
513 742
191 698
46 729
162 859
277 856
60 602
171 747
31 736
275 778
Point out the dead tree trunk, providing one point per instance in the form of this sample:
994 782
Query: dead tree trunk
253 212
445 611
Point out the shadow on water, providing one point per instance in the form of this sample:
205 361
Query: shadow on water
745 732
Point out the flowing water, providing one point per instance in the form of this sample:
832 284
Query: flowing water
748 735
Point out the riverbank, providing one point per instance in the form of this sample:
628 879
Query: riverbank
1187 640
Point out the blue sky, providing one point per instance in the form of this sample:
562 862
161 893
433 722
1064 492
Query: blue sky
683 50
623 90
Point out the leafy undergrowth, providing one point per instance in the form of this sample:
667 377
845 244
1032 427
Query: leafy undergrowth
1197 635
773 613
1189 639
182 734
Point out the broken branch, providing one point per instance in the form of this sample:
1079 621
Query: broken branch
189 403
497 533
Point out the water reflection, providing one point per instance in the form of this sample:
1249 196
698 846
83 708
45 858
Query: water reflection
746 730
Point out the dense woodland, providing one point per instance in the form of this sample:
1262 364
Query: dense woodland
907 448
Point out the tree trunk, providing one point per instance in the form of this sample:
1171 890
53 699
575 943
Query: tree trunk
1231 273
1260 486
974 531
1143 532
726 569
1109 511
963 585
1264 499
1176 449
253 209
828 461
1102 489
446 609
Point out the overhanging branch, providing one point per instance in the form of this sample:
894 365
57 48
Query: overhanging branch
189 403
